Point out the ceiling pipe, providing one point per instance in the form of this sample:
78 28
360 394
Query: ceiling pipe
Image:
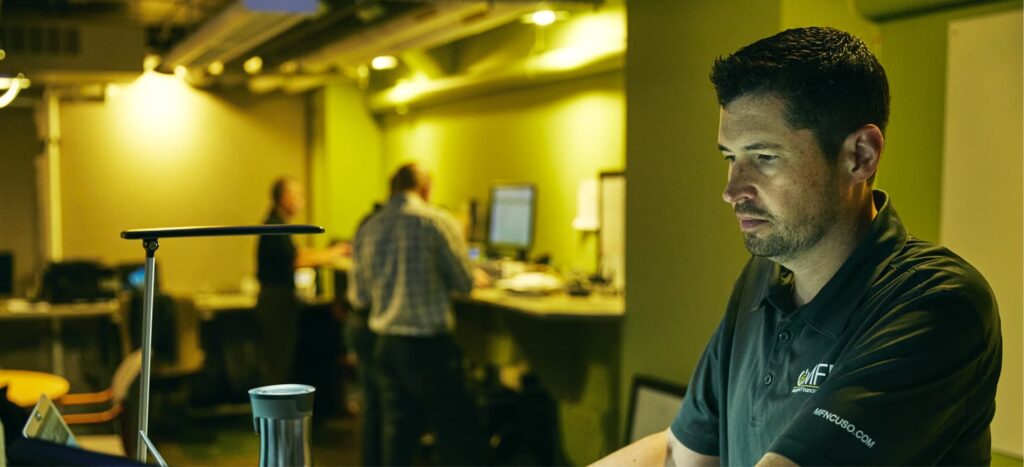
422 29
888 10
237 30
551 66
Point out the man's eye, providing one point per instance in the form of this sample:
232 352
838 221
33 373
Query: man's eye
766 157
729 157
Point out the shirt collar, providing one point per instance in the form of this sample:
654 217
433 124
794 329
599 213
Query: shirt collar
405 198
831 308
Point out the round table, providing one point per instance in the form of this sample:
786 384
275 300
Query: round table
25 387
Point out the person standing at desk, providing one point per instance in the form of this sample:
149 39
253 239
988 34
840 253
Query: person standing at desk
277 307
407 261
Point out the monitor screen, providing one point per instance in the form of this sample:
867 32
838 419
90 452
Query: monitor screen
133 276
512 216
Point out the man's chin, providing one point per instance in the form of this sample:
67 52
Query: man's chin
761 247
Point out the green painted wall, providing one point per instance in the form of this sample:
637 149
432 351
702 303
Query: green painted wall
914 57
839 14
552 135
684 249
346 160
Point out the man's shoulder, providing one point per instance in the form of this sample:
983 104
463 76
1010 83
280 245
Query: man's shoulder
419 215
930 268
927 273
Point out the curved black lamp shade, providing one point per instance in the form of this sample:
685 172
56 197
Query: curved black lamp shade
221 231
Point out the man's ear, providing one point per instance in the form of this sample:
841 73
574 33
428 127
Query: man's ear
862 152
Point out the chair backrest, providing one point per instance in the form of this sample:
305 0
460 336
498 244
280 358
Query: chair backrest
125 375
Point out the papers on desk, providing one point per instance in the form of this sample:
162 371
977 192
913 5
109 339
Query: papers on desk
20 308
17 305
532 283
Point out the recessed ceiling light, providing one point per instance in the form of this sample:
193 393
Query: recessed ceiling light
215 68
253 65
289 68
150 62
543 17
384 62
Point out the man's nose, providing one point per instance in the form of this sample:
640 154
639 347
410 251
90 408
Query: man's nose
739 185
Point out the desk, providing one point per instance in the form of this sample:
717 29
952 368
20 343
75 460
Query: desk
553 306
228 334
56 314
25 387
572 344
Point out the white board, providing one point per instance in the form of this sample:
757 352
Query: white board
613 228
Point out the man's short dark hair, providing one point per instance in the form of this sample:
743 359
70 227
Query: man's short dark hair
408 177
277 189
831 82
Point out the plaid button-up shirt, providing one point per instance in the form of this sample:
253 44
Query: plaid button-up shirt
407 261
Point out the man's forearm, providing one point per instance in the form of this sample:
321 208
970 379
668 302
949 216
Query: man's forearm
650 450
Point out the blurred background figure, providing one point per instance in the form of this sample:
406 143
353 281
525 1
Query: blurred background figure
407 261
277 307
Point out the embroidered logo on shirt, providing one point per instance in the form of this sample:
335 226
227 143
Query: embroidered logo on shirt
845 424
811 378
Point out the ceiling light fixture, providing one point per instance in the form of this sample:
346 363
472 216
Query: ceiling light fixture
384 62
14 85
215 68
543 17
290 67
150 62
253 65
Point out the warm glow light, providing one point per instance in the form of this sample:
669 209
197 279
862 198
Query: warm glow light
253 65
289 68
565 58
405 90
150 62
363 71
543 17
384 62
215 68
147 128
14 86
180 71
113 90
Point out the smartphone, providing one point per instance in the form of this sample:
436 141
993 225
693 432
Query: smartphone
45 423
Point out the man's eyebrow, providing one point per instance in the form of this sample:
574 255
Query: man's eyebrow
753 147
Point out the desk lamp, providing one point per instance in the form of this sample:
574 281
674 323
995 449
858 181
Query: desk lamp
150 238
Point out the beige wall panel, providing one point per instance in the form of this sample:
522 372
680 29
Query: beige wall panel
981 198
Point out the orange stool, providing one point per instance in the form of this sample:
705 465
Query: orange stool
25 387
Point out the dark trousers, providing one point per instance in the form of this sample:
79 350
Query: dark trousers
421 380
363 341
277 312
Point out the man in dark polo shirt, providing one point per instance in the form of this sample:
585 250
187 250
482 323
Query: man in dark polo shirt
846 340
277 308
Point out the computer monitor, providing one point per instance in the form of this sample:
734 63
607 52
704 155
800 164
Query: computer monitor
133 276
512 217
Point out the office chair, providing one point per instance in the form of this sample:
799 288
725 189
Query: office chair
113 399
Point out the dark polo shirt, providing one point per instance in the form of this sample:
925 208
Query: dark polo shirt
275 257
895 361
